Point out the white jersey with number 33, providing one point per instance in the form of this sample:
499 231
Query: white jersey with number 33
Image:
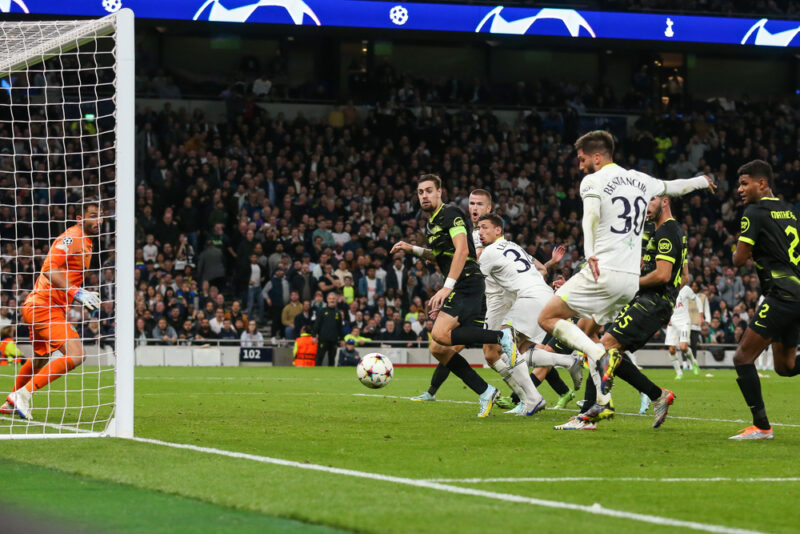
624 195
506 265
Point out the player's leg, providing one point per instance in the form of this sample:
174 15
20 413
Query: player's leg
750 346
554 319
687 352
466 311
672 342
517 377
786 360
440 374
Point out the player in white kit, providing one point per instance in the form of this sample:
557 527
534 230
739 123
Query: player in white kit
678 332
615 204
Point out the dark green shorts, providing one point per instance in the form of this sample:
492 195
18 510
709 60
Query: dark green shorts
467 302
638 321
778 320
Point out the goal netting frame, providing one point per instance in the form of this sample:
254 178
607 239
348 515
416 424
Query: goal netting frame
37 55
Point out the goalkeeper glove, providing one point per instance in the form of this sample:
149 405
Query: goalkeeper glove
89 299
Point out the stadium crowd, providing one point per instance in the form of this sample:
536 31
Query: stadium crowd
259 218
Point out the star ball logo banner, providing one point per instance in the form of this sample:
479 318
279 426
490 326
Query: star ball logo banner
497 20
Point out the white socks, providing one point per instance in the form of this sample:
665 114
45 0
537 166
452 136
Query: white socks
574 337
519 380
545 358
676 362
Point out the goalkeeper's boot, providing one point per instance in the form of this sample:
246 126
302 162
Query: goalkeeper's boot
21 401
644 405
598 412
516 410
661 407
536 408
576 423
610 362
576 373
505 403
509 345
487 401
753 432
564 399
424 397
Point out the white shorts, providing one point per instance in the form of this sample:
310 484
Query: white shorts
497 308
599 300
524 317
677 334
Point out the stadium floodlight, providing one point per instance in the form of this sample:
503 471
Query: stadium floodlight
67 142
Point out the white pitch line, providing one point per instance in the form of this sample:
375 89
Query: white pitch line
602 479
680 417
595 509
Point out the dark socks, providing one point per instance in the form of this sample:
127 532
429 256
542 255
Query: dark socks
558 385
589 395
459 366
474 335
633 376
440 374
751 391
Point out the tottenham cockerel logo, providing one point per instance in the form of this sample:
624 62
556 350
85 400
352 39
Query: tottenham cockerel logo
297 10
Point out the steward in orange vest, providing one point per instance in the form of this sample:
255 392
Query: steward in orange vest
305 350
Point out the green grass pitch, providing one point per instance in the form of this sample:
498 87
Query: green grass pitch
686 471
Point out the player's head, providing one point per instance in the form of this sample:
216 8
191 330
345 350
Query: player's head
595 149
90 217
490 228
429 192
480 203
659 209
755 180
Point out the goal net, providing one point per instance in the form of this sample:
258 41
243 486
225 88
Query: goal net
66 143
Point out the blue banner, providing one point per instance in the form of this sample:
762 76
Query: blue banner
441 17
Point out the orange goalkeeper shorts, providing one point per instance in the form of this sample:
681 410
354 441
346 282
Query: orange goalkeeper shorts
49 327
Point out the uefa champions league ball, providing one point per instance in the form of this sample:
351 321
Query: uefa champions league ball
375 370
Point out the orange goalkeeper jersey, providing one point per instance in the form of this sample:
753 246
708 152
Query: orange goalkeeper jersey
71 252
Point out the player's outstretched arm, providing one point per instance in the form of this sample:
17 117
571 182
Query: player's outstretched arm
684 186
420 252
58 279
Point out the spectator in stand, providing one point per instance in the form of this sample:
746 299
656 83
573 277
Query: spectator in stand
255 302
186 333
304 318
730 287
277 294
237 316
348 355
228 332
216 322
252 337
211 265
292 309
204 331
369 286
262 87
356 337
163 333
141 333
302 281
150 249
408 334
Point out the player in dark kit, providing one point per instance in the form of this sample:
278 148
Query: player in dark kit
662 268
459 307
770 235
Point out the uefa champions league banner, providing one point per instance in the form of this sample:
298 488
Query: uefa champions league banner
440 17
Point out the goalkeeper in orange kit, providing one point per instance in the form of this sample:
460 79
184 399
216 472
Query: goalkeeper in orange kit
45 310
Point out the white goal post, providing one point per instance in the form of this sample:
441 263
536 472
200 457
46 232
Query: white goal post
66 142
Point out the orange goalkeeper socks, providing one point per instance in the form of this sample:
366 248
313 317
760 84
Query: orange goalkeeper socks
24 374
52 371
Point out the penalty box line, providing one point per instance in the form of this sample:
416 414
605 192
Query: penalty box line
595 509
679 417
619 479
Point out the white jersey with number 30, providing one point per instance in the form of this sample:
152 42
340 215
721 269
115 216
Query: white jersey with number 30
624 196
506 265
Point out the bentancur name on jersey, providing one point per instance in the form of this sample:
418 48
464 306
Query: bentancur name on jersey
624 180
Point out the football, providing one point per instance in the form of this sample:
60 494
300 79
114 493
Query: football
375 370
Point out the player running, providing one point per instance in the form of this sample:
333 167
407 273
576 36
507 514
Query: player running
678 337
459 307
771 237
45 310
662 272
614 207
516 293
